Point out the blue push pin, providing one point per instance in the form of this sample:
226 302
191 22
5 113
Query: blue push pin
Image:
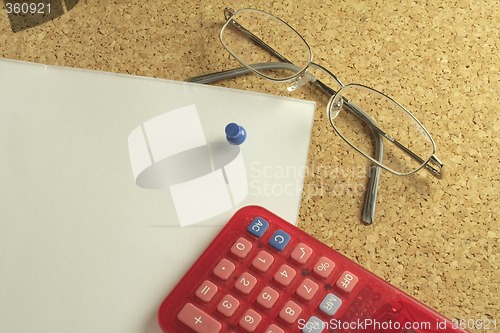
235 134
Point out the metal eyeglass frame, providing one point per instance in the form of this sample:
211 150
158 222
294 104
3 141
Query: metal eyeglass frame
301 77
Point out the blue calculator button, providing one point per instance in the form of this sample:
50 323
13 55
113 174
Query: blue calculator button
279 240
258 227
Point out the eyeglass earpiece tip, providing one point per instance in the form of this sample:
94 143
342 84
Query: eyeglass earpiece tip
441 172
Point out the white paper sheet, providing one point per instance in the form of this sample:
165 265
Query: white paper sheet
83 248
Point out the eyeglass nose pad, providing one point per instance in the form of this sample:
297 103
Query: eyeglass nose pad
228 12
334 106
300 81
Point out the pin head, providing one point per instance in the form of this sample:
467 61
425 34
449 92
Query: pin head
235 134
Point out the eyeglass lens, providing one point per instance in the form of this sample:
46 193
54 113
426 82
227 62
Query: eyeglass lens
273 32
402 129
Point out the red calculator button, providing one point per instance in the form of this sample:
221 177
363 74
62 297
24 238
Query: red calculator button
324 267
197 320
246 283
301 253
274 329
268 297
228 305
263 261
250 320
285 275
290 312
206 291
241 248
347 281
224 269
307 289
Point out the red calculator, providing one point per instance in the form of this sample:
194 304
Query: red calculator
262 274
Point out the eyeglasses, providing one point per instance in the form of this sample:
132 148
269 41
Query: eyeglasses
398 143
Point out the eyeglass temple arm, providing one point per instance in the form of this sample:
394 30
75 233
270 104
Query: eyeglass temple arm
374 174
235 72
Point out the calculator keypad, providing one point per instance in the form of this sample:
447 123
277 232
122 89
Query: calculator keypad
262 275
259 263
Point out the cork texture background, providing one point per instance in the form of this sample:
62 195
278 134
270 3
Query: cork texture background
437 240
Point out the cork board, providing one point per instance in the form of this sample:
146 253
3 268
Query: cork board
435 239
